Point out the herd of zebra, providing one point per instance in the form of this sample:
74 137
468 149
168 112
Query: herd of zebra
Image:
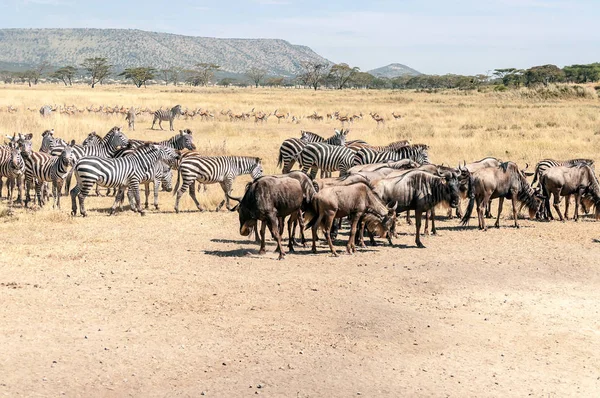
375 184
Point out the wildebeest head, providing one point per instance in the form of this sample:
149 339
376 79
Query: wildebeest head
524 171
453 189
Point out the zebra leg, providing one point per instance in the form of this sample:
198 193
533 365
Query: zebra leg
134 188
171 125
153 121
156 190
20 186
226 186
184 187
39 186
74 192
193 195
160 124
56 192
98 191
68 181
7 186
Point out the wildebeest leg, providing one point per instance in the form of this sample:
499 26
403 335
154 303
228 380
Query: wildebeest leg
315 228
500 204
263 227
433 230
567 202
488 210
351 247
408 222
418 216
556 203
291 233
192 191
481 206
274 228
328 223
426 230
577 200
300 221
514 207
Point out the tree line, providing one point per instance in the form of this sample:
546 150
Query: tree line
314 75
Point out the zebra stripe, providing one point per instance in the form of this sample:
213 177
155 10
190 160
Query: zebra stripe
165 114
416 153
545 164
41 167
116 173
326 157
209 170
160 175
46 110
290 149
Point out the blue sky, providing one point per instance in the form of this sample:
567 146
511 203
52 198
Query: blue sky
456 36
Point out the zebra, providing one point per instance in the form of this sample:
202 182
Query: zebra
127 171
326 157
107 147
164 115
12 166
130 117
194 167
290 149
545 164
416 153
41 167
46 110
161 174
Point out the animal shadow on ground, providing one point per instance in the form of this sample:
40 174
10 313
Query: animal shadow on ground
231 253
596 240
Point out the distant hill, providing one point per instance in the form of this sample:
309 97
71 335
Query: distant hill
23 48
394 70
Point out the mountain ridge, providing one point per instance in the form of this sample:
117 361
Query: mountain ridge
133 47
394 70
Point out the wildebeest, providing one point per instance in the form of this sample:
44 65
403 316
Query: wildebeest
354 201
271 199
506 181
565 181
543 165
419 191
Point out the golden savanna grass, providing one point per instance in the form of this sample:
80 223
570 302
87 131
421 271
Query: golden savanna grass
181 304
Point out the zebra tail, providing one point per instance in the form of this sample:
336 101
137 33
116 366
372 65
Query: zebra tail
535 178
469 211
280 159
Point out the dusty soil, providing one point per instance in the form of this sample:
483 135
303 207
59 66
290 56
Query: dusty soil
180 305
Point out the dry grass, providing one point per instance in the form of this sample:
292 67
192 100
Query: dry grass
178 304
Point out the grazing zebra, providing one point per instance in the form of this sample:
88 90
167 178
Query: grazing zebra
209 170
127 171
107 147
46 110
12 167
545 164
161 174
326 157
164 115
416 153
130 117
290 149
41 167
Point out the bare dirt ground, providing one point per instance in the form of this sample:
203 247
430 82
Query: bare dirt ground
180 305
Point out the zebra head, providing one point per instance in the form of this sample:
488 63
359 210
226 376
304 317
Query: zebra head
185 140
115 139
91 139
24 144
339 138
257 171
167 154
176 110
16 160
48 140
66 156
165 176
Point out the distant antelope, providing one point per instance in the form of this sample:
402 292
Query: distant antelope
261 117
377 118
343 119
280 116
396 116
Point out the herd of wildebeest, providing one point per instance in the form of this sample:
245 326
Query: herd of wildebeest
375 183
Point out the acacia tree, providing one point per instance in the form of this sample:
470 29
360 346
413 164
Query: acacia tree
98 68
66 74
313 75
256 75
341 74
139 76
202 74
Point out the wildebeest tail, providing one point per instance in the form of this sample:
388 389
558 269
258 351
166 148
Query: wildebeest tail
310 217
469 211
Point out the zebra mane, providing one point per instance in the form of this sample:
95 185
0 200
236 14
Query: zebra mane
310 135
